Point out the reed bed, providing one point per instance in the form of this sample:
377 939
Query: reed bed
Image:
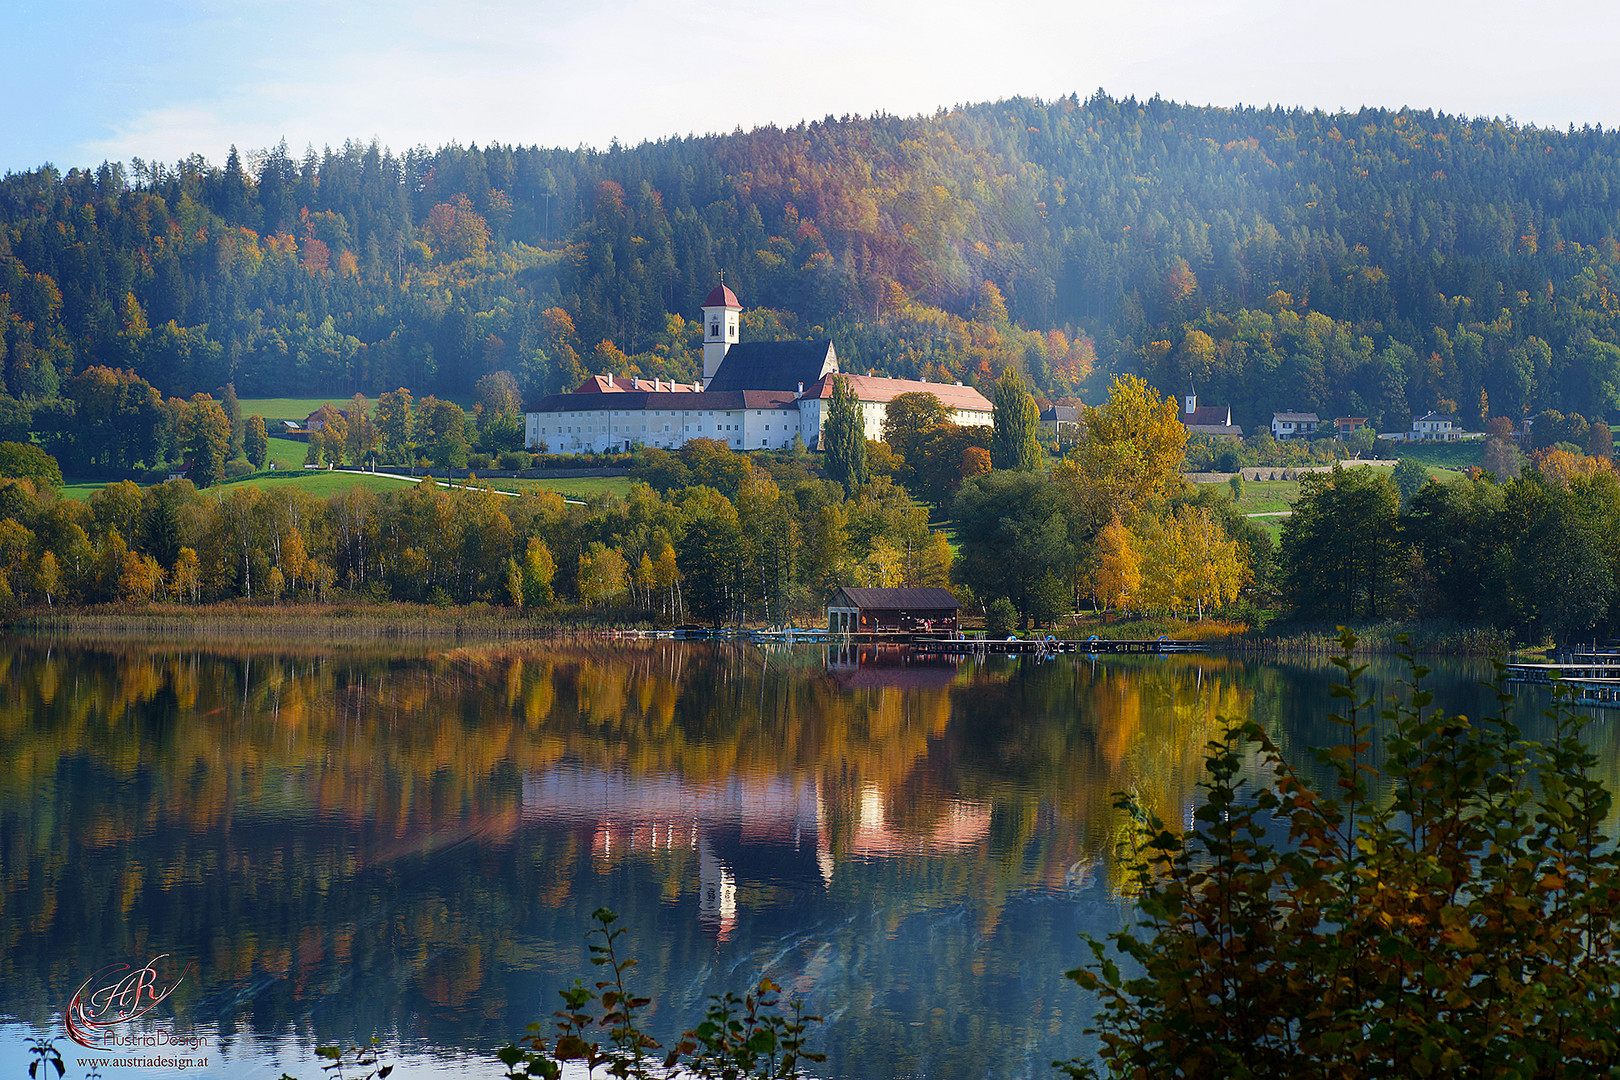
1421 638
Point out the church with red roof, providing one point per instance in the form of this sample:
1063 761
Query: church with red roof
753 396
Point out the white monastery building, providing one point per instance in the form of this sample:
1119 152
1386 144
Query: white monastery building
753 396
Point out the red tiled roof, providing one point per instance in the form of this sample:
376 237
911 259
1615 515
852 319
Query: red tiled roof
721 296
687 401
1207 414
608 384
874 388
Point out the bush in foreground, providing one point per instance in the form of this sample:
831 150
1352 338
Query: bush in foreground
1455 919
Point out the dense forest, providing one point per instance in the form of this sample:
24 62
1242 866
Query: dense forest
1375 263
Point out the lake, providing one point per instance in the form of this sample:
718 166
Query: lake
332 844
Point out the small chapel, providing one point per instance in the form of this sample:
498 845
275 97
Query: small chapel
753 396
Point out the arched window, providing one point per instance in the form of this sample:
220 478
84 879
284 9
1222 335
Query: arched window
714 329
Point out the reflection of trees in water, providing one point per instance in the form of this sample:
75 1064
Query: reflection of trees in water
350 831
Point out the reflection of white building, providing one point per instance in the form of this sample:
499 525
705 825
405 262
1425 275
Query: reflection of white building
771 829
753 396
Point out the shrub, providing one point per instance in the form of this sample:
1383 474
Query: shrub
515 460
1462 924
739 1038
238 468
479 462
999 618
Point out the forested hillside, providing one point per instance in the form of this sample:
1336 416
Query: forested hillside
1378 263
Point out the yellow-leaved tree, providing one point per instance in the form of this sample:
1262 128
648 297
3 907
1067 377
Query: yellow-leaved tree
1131 453
1119 569
1189 563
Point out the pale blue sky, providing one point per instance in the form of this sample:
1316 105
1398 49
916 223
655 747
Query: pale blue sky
87 80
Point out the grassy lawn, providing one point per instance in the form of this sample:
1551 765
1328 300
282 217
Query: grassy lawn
80 490
296 408
1456 455
288 408
317 482
578 488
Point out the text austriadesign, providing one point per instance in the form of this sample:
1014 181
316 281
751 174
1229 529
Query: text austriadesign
119 994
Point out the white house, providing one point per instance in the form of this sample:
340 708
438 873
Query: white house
1433 427
1293 425
754 396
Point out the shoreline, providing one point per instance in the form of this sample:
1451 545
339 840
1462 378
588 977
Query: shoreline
359 622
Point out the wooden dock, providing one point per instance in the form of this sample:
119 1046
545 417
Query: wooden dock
1601 693
1048 645
1605 668
1053 645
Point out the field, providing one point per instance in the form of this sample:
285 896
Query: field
1456 455
275 410
317 482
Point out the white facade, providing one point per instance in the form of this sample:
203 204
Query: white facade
757 408
602 430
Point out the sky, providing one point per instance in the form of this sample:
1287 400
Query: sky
94 80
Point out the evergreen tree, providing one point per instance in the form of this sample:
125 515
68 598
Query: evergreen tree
844 437
1016 444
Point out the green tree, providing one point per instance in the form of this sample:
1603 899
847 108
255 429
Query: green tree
713 557
255 442
1017 424
24 461
1341 553
233 413
844 437
603 574
1447 912
394 423
1409 477
908 417
1013 528
206 435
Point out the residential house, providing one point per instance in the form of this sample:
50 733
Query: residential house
1293 425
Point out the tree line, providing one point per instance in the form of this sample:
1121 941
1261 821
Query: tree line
747 539
1532 553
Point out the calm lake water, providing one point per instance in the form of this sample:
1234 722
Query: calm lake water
343 843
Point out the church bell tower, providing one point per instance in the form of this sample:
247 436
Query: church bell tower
721 321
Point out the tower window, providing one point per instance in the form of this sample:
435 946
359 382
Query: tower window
714 329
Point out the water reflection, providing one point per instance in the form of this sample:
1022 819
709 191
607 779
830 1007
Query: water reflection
358 843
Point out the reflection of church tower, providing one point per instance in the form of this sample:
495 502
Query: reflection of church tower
721 315
717 891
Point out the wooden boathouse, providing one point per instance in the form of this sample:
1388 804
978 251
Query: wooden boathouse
892 611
